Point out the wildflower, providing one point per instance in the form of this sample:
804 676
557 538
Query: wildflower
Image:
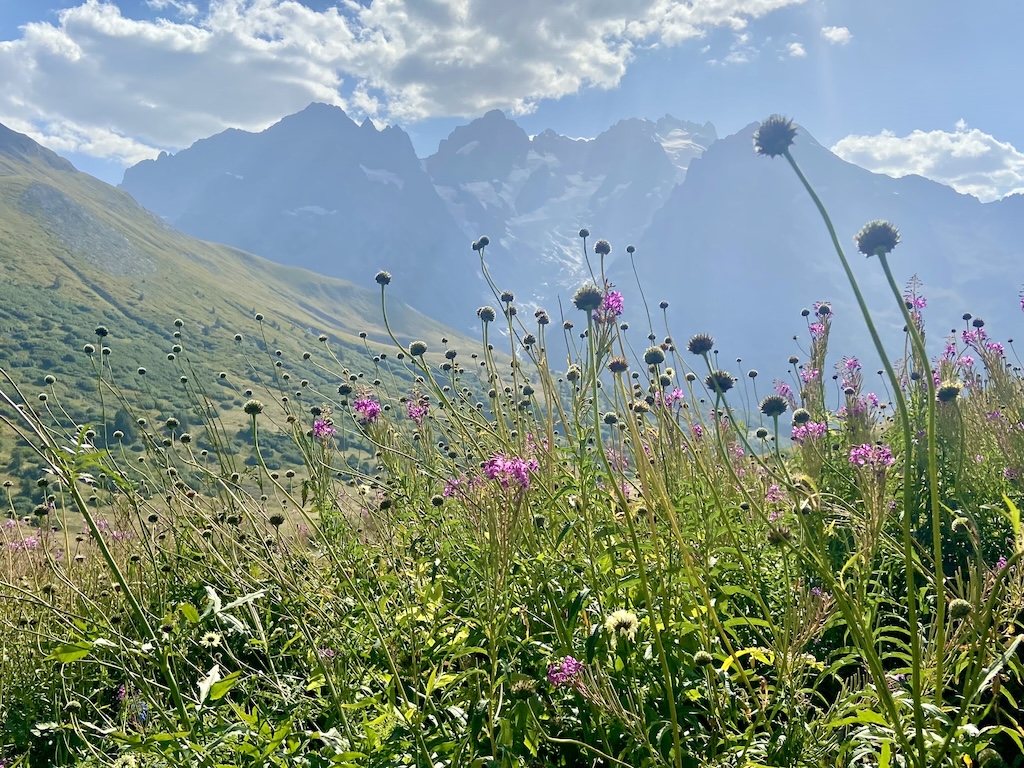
822 308
654 356
323 429
808 430
588 298
1001 562
564 672
700 344
486 314
367 408
774 136
417 410
602 248
703 659
622 622
868 455
801 416
325 653
773 494
808 375
948 392
382 278
817 330
211 640
877 238
960 609
418 348
253 407
618 364
612 303
720 381
774 406
510 471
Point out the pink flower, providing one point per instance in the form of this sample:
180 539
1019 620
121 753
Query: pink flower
811 429
367 409
868 455
510 471
417 410
323 429
564 672
809 374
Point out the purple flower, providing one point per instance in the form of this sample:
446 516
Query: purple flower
783 389
868 455
809 430
809 374
697 431
367 409
1001 562
995 346
916 302
773 494
325 653
323 429
564 672
613 303
817 330
510 471
965 361
417 410
852 364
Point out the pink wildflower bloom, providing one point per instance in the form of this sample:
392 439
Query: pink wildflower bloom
613 303
817 330
809 374
773 494
564 672
323 429
783 389
809 430
916 302
417 410
868 455
965 361
995 346
1001 562
851 364
697 431
510 471
367 409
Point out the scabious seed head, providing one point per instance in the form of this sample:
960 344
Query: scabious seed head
630 249
584 232
960 609
700 344
483 242
774 406
774 136
703 659
877 238
418 348
101 331
654 356
486 314
253 407
602 248
382 278
801 416
588 298
618 364
948 392
761 433
88 349
508 297
720 381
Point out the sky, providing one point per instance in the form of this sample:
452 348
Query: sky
898 86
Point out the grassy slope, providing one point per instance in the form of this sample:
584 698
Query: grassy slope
76 253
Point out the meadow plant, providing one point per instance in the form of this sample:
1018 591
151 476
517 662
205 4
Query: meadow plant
507 557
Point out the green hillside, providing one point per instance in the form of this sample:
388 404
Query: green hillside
77 254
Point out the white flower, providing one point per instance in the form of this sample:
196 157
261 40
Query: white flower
622 622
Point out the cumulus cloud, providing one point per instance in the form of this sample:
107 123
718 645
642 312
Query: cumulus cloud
796 50
100 81
967 159
836 35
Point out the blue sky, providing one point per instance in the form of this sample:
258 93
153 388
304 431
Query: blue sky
899 86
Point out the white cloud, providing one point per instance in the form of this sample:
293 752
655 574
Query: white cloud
967 159
836 35
796 50
101 82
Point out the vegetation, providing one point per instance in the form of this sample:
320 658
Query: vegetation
608 565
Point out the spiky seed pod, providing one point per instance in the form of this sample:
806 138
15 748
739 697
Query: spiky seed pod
172 423
774 406
654 356
178 322
703 659
486 314
801 416
700 344
418 348
508 297
602 247
588 298
960 609
877 238
382 278
276 520
774 136
761 433
824 310
574 373
618 364
948 392
101 331
584 232
88 349
720 381
253 407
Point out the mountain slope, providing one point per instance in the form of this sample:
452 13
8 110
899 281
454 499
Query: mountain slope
76 253
738 248
316 190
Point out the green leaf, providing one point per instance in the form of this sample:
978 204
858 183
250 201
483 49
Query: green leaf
190 612
221 687
70 652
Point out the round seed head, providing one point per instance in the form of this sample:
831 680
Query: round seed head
418 348
382 278
877 238
253 407
700 344
588 298
720 381
801 416
654 356
486 314
602 248
774 136
774 406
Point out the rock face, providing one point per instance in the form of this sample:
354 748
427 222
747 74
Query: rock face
318 191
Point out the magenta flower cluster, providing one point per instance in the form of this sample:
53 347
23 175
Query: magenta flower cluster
510 471
809 430
564 672
612 307
367 409
417 410
323 429
868 455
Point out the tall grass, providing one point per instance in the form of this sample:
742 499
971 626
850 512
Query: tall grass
603 560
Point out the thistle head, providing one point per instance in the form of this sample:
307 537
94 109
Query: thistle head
486 314
383 278
774 406
418 348
720 381
774 136
877 238
588 298
654 356
602 248
700 344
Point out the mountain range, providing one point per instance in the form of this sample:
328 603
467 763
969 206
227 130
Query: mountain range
729 239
